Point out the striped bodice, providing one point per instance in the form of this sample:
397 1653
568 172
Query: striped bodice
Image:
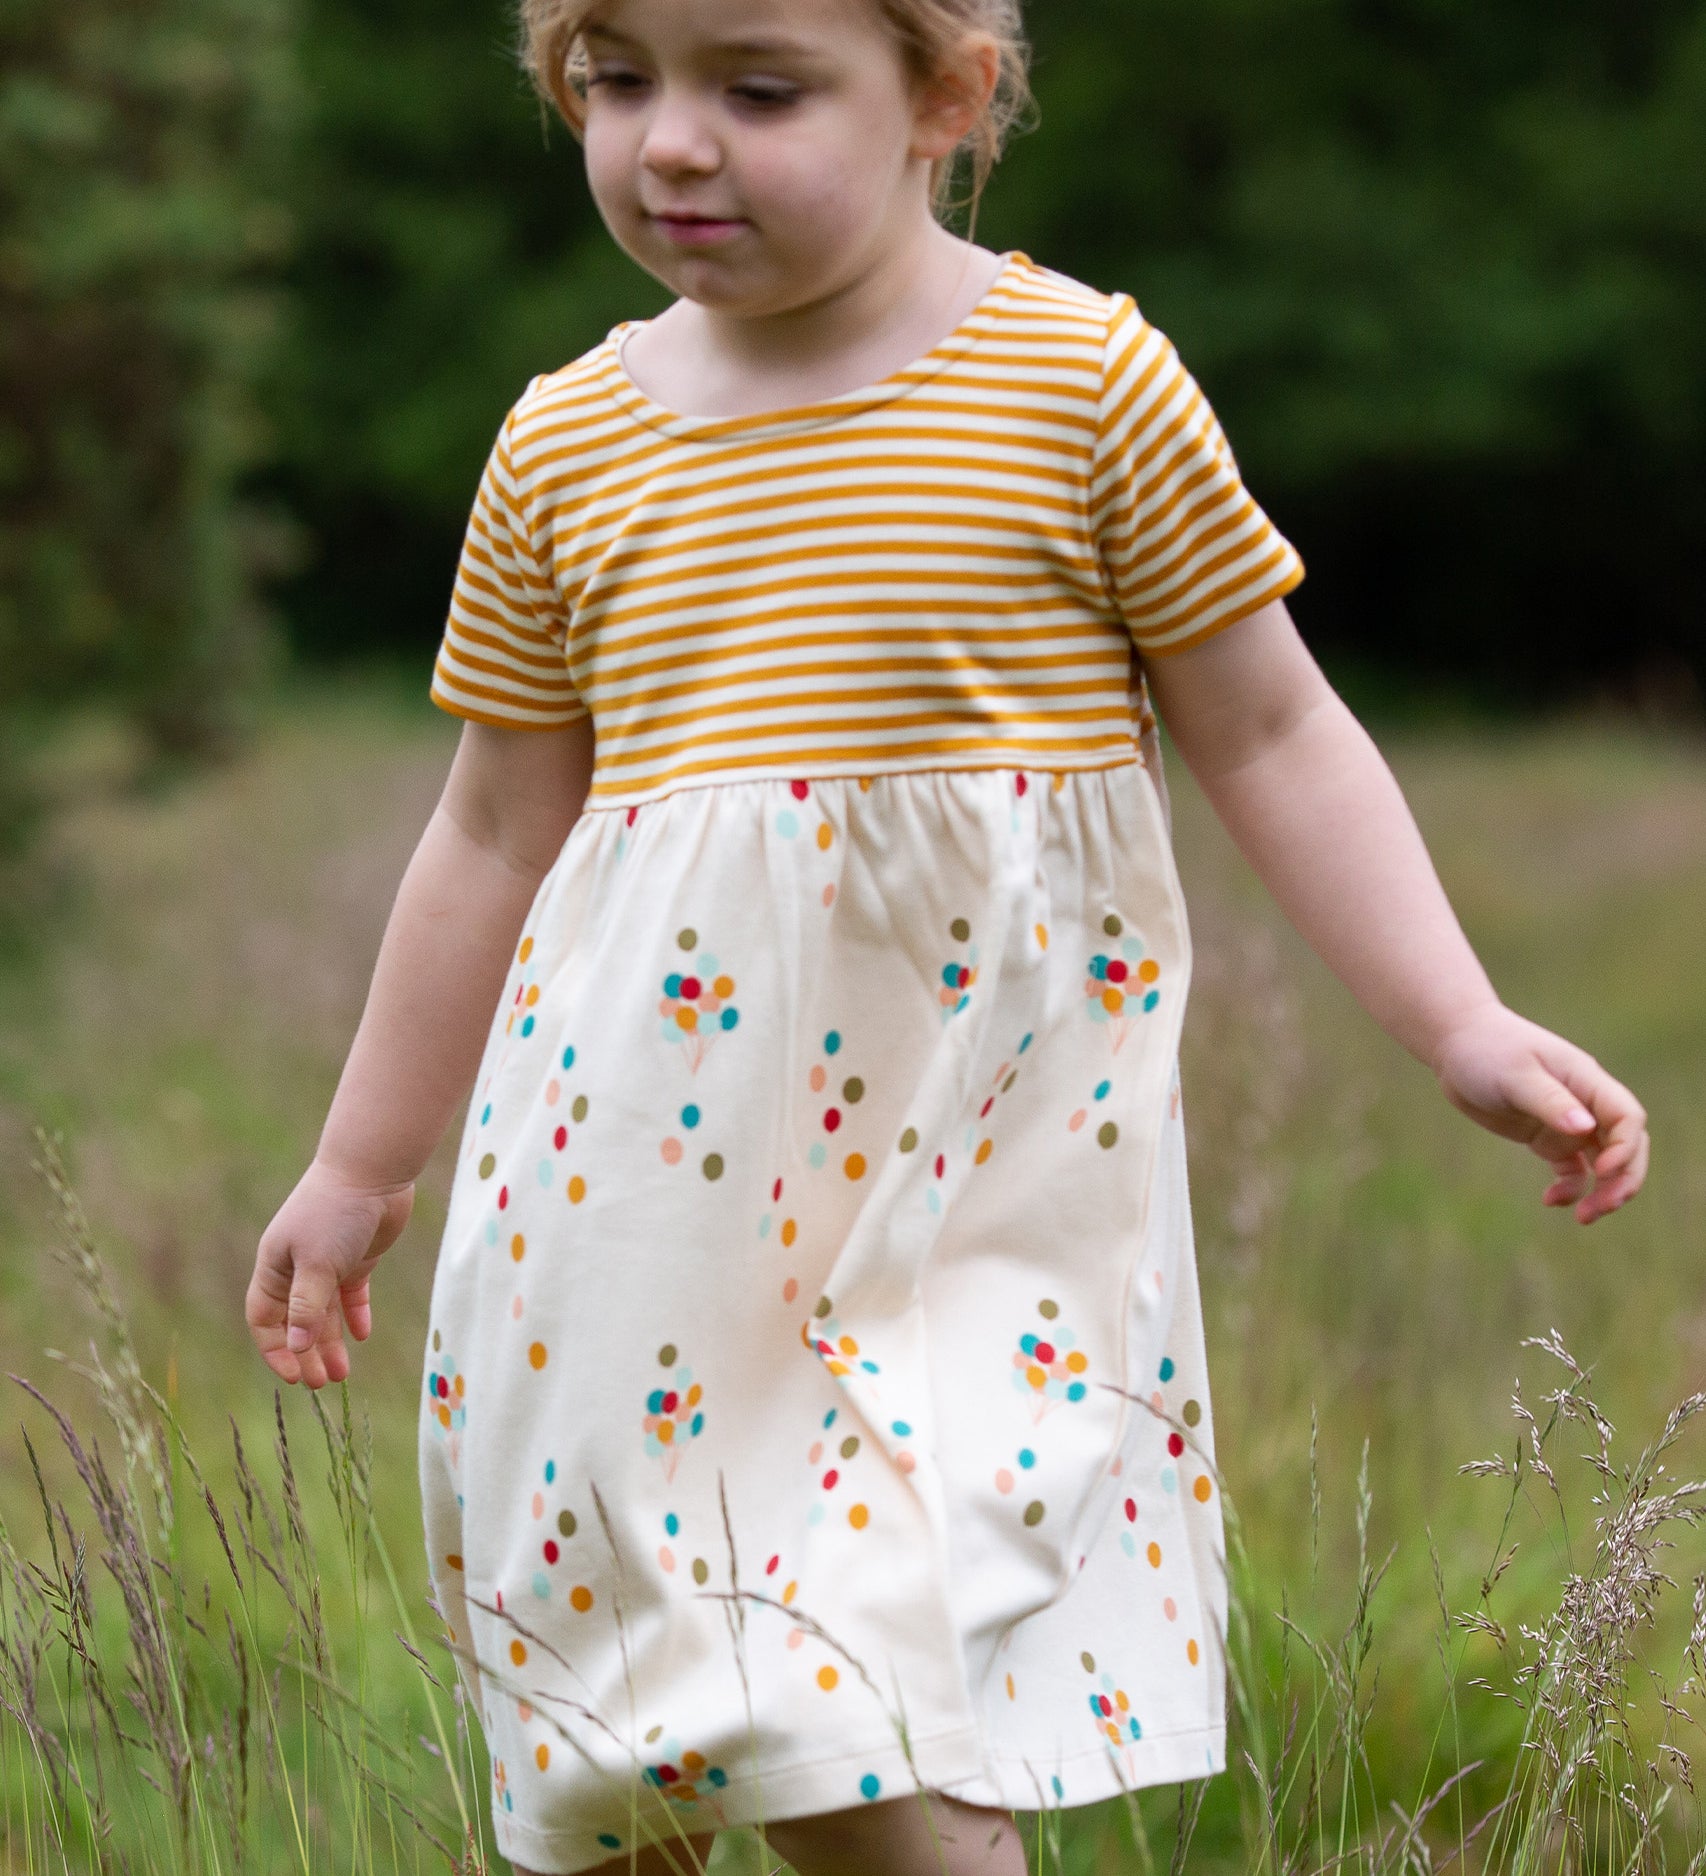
961 566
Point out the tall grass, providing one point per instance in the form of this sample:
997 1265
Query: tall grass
151 1722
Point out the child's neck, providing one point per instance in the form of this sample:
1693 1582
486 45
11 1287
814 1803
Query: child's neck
704 362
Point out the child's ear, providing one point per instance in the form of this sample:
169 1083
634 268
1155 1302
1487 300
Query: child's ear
952 100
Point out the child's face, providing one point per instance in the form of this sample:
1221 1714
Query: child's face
756 155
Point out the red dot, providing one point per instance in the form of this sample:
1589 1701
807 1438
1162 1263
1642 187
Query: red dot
801 790
776 1190
829 1479
550 1550
667 1774
823 1348
1131 1510
518 992
1023 784
561 1136
503 1198
832 1120
633 816
965 977
669 1401
1106 1703
1175 1445
690 988
987 1106
443 1388
941 1163
1045 1353
770 1567
1116 972
500 1597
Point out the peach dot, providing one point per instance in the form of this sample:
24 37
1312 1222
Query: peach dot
1170 1609
859 1517
1117 1467
828 1679
666 1558
829 895
790 1231
1078 1120
790 1289
1154 1555
538 1504
855 1165
1157 1402
815 1454
577 1189
580 1598
515 1308
553 1093
1010 1694
518 1247
1004 1480
524 1709
825 835
984 1151
905 1461
795 1637
1202 1488
542 1755
672 1152
517 1652
536 1354
1192 1653
817 1078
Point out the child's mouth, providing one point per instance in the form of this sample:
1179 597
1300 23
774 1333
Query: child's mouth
693 231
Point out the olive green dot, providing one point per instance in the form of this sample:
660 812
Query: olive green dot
1107 1133
1089 1661
1048 1309
579 1108
850 1446
1193 1412
909 1140
666 1355
823 1306
854 1090
566 1523
713 1165
488 1165
1113 925
961 929
701 1570
1010 1081
437 1341
655 1734
687 938
1034 1511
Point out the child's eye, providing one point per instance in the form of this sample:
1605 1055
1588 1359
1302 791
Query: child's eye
614 80
768 95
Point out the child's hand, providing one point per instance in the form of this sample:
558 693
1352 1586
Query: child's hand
1525 1083
322 1245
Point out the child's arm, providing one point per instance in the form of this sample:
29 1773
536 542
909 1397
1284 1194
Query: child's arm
1314 808
508 805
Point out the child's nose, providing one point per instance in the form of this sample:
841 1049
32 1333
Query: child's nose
679 139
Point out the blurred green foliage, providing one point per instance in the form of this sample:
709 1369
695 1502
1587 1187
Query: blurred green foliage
273 270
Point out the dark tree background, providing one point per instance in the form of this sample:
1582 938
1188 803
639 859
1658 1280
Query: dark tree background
272 271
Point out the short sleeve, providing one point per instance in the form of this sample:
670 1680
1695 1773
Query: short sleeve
503 655
1184 548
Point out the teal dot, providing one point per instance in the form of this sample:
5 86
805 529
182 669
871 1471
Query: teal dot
1027 1458
550 1470
1102 1090
609 1842
568 1058
832 1042
1150 1001
829 1418
541 1586
1023 1046
1166 1367
870 1785
487 1115
690 1115
903 1428
671 1523
527 1027
1059 1788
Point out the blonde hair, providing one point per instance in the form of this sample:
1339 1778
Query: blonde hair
929 31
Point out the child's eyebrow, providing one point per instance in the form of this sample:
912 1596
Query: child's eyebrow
756 47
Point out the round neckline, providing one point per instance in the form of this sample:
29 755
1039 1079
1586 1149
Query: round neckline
820 411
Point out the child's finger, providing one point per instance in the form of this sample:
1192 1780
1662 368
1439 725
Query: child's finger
358 1308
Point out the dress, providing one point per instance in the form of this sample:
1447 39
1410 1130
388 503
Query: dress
815 1401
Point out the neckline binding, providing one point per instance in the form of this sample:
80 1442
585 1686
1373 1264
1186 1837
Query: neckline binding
821 411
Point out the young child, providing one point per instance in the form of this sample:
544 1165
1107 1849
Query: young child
816 1429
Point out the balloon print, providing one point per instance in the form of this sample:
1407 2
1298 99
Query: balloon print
689 1780
1049 1367
673 1418
1120 984
697 1006
446 1400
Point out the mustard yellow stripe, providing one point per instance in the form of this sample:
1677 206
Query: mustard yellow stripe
1117 419
1192 528
1253 601
1245 541
792 761
447 681
546 680
471 609
455 708
938 683
1122 537
1252 582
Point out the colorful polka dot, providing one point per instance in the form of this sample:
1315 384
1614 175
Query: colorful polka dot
828 1679
870 1785
536 1354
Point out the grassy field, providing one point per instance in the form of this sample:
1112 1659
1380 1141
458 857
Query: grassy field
181 1013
